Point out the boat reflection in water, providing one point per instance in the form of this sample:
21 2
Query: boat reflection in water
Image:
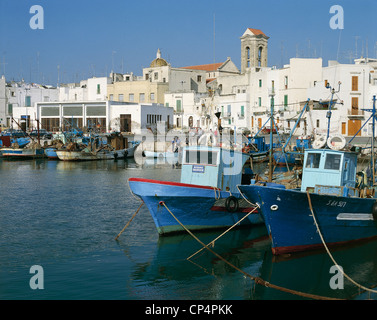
166 266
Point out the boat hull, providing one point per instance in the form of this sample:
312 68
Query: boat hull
51 153
290 222
161 155
259 156
84 156
125 153
196 207
22 153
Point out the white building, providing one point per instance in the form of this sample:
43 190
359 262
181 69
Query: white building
21 99
355 92
97 88
104 116
189 108
74 91
192 102
131 117
92 89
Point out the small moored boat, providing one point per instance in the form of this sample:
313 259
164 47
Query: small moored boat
206 196
335 204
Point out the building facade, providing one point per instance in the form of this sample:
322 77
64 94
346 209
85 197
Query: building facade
102 116
157 79
354 86
21 99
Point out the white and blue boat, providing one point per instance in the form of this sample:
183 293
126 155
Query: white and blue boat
206 196
32 152
335 204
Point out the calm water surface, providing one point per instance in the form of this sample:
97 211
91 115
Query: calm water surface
65 216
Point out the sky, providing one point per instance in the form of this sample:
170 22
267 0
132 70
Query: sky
85 38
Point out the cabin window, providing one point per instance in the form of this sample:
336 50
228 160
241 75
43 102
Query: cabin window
201 157
313 160
333 161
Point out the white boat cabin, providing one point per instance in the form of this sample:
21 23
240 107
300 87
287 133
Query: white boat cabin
212 166
329 171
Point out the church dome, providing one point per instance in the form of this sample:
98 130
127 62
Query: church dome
158 62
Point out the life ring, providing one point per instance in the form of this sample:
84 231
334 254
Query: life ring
274 207
319 142
336 142
231 204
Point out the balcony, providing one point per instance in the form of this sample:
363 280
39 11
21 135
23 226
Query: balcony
355 114
260 110
179 111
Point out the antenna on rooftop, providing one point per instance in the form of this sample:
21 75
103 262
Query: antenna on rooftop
214 37
309 49
58 76
38 77
112 60
356 38
282 54
4 64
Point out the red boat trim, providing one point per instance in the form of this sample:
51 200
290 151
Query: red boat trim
295 249
170 183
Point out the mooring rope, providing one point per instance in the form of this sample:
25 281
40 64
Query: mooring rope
212 243
128 223
329 253
253 204
257 280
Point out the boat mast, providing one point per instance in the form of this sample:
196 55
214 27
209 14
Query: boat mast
372 158
328 115
272 94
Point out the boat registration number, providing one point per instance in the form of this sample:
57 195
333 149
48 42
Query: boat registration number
334 203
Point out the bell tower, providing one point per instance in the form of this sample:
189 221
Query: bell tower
253 49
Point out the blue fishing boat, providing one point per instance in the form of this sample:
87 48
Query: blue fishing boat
51 153
257 148
283 158
335 204
206 196
32 152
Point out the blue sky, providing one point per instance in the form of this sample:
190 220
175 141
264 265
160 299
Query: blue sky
88 37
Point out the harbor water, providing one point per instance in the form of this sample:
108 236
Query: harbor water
64 217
